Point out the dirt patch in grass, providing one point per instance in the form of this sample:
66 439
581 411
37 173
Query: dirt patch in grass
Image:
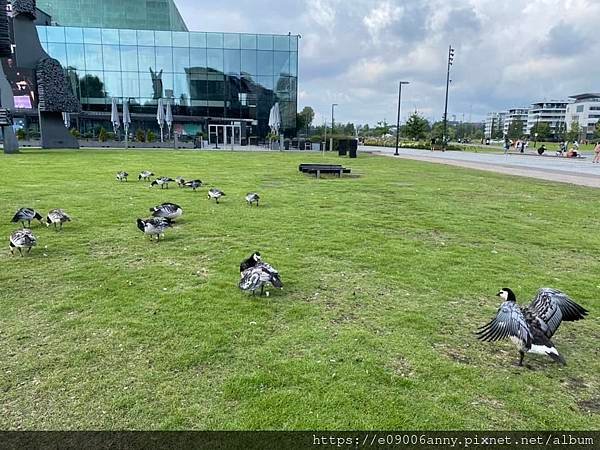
590 406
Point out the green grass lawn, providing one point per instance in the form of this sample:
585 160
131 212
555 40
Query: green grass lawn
387 274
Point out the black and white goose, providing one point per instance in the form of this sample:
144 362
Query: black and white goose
180 181
122 176
162 182
194 184
251 261
258 275
531 328
21 239
155 226
26 215
216 194
145 175
252 197
57 216
169 211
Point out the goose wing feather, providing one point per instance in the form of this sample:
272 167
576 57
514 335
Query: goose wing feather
552 307
509 322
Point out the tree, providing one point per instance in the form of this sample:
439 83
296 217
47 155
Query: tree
561 131
304 118
597 130
102 135
416 127
515 129
92 87
543 131
573 133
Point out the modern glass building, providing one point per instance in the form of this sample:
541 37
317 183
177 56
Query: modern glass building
136 14
218 84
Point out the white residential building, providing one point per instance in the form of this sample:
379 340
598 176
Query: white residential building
551 112
494 122
585 110
514 115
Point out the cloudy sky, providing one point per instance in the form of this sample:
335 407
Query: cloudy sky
353 52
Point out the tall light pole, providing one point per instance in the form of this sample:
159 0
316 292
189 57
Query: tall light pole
450 61
398 121
333 105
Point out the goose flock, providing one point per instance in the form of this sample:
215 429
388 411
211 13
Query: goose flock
530 328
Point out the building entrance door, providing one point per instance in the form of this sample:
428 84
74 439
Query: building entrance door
226 135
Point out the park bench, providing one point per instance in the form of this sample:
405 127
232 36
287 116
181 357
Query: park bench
319 169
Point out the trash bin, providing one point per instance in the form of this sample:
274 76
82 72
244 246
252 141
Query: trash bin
353 148
286 144
342 147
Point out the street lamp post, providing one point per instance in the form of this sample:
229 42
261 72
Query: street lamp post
333 105
398 121
450 61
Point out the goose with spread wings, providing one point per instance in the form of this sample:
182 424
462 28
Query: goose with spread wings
258 275
531 328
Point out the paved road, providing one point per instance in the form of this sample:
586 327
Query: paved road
574 171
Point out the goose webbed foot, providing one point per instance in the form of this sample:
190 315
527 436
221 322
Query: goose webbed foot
519 363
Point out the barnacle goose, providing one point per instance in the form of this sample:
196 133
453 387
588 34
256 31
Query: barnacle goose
194 184
252 197
57 216
155 226
250 262
26 214
122 176
216 194
180 181
530 328
145 175
169 211
258 276
21 239
162 182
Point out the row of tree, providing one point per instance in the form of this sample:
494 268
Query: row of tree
415 128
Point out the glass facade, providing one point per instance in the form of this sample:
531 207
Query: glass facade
136 14
207 77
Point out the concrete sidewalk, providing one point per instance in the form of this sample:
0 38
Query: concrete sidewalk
575 171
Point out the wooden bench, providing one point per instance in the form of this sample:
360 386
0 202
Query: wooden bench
318 169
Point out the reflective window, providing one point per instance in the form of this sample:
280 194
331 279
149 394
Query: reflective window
181 39
198 40
181 59
129 58
146 85
74 35
294 64
127 37
265 42
294 43
164 59
214 40
281 43
146 59
249 41
231 40
163 38
265 62
232 62
214 59
92 85
55 34
93 57
91 35
266 82
197 57
131 84
145 37
59 52
42 34
248 62
180 86
111 57
167 82
112 84
76 56
281 63
110 37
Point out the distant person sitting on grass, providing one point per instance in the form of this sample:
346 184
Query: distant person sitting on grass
596 153
541 149
572 153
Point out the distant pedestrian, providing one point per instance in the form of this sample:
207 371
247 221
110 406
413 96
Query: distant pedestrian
506 146
597 153
576 145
